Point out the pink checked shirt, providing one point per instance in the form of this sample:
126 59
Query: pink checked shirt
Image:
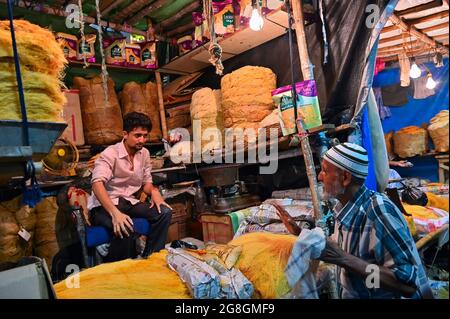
114 168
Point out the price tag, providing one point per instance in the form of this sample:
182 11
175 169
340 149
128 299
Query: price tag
24 234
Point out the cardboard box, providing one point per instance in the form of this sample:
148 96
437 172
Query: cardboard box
72 115
217 228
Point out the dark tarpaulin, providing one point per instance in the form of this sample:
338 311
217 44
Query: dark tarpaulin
339 80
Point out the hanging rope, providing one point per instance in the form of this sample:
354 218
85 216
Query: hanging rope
214 50
83 39
102 53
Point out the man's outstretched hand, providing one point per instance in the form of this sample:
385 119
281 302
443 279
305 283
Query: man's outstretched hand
287 219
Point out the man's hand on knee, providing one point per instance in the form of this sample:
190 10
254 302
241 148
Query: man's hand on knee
122 224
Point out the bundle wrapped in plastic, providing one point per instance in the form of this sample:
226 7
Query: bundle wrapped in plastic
39 50
42 63
202 280
271 253
207 108
246 96
438 130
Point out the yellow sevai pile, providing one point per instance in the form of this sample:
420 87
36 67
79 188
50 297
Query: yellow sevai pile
42 64
263 259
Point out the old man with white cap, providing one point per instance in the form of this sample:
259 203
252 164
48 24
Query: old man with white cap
375 254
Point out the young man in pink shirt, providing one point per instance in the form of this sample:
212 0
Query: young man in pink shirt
120 173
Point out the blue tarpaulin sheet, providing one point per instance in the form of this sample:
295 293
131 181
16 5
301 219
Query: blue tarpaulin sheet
417 112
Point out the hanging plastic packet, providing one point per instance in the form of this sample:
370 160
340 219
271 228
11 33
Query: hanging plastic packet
185 44
69 44
87 50
199 33
307 106
132 55
114 50
148 55
223 17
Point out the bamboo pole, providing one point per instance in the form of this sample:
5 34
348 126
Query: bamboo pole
308 74
162 112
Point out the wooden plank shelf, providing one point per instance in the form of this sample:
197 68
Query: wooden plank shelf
275 25
80 64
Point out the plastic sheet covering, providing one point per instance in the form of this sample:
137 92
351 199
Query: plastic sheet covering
134 279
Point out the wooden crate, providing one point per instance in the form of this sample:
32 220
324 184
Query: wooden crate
217 228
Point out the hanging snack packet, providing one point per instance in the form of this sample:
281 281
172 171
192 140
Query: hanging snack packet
87 50
148 55
69 44
133 55
185 44
307 106
200 26
223 17
114 50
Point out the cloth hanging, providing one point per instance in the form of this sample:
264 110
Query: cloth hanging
309 245
396 95
420 89
405 67
383 110
379 66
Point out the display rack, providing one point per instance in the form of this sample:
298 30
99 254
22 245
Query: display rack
275 25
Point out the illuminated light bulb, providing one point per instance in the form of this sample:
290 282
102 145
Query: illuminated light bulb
431 84
415 71
256 21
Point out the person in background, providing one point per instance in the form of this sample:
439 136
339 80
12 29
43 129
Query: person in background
369 231
120 173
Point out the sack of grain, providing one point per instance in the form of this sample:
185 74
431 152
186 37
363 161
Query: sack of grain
388 139
45 243
438 130
206 107
143 98
410 141
13 217
102 120
246 96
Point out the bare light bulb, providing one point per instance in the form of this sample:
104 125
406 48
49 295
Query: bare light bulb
415 71
256 21
431 84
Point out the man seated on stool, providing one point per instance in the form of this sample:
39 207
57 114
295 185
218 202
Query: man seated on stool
121 171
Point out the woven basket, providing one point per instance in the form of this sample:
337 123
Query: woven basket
157 162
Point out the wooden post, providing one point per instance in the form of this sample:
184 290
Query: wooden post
162 112
307 72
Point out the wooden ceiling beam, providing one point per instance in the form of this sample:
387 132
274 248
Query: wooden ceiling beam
130 9
146 11
403 36
87 19
435 27
428 18
413 31
402 47
420 8
164 25
180 30
394 56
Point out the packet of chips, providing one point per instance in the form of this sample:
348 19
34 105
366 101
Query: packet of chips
114 50
148 55
69 44
133 55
